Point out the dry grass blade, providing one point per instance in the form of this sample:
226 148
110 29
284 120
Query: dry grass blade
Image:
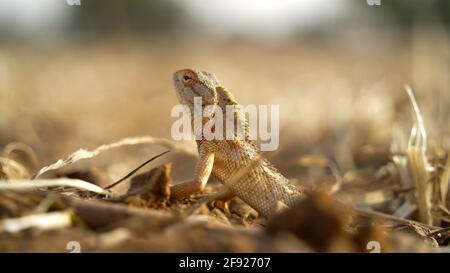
23 185
84 154
47 221
337 176
398 146
417 164
417 161
445 180
419 137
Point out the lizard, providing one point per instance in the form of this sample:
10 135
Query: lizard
262 187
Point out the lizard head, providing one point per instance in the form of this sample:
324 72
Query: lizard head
191 83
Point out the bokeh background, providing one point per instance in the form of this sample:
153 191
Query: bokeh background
80 76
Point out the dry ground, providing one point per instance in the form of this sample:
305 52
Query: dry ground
343 105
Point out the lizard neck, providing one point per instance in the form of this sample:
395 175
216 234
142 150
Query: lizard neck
225 98
231 114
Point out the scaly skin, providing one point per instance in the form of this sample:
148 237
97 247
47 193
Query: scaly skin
262 187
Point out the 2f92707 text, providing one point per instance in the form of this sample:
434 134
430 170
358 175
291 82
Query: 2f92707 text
246 262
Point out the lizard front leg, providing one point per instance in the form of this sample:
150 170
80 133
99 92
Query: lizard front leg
202 173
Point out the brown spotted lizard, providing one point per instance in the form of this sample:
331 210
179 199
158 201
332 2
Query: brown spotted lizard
262 186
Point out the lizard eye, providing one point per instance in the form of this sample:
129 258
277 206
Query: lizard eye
189 78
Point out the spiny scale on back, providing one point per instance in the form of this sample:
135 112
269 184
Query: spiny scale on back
262 187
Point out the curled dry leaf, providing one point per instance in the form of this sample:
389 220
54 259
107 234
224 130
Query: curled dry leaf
11 169
23 154
18 161
152 188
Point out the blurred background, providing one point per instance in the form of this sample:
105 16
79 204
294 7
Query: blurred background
78 76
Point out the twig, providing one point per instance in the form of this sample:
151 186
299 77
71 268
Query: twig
388 217
98 213
135 170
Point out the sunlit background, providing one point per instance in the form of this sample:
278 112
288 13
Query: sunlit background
81 76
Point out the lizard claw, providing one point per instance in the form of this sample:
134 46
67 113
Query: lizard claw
222 205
